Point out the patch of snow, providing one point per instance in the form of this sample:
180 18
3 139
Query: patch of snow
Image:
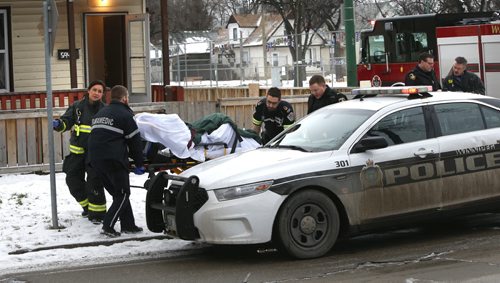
26 213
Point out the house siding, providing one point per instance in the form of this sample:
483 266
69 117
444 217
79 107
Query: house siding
28 47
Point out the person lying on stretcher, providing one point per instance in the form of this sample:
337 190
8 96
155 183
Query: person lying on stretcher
213 136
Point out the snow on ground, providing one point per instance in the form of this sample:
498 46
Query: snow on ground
26 213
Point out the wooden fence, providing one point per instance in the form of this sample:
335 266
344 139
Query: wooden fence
179 93
214 94
24 136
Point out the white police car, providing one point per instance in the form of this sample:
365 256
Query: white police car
389 156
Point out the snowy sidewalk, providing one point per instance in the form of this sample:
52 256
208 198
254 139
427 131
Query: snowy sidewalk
26 213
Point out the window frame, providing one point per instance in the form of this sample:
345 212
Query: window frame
480 106
426 120
235 34
7 51
275 57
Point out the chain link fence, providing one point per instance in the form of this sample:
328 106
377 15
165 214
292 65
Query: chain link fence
199 61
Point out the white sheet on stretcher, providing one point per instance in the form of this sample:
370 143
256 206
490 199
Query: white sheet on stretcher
172 132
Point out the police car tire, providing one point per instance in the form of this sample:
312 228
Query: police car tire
319 218
155 187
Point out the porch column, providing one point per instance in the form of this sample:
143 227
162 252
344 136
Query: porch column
164 43
71 39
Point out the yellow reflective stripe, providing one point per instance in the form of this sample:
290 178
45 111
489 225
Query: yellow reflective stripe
76 149
64 126
286 126
77 130
256 122
85 129
84 202
97 207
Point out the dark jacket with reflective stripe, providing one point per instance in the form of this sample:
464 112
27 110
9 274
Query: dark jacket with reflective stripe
468 82
78 118
113 131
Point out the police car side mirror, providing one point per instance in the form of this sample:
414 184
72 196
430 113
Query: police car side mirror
367 143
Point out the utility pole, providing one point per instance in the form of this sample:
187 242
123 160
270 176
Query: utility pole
241 58
350 44
297 75
264 45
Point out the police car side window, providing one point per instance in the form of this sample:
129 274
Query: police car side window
401 127
456 118
491 117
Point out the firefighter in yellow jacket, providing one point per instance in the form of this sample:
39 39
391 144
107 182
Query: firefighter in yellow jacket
89 192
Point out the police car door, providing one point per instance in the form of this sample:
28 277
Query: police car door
399 179
470 153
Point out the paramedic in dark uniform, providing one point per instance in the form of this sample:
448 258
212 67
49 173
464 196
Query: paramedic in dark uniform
272 115
114 137
423 74
321 94
460 79
89 193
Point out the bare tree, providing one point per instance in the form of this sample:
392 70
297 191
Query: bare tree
404 7
221 10
183 15
301 19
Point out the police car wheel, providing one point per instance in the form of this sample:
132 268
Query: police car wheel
307 225
154 217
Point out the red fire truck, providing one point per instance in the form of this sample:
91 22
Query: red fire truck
392 47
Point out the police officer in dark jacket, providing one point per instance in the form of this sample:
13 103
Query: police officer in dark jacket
423 74
273 114
321 94
88 193
114 137
460 79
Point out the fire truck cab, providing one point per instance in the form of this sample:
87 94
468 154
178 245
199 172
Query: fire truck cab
391 48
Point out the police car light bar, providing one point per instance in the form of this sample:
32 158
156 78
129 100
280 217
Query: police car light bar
409 90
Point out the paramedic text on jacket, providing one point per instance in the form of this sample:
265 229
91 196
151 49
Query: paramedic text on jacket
114 137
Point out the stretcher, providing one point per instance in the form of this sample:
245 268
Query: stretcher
171 144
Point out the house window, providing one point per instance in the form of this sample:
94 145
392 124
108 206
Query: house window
245 58
4 52
312 55
235 34
275 57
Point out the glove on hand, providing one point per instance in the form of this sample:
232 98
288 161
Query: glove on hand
56 123
139 170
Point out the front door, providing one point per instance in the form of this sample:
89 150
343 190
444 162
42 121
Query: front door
106 48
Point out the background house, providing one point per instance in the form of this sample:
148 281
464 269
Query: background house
260 44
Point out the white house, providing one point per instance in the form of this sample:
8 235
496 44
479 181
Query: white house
258 43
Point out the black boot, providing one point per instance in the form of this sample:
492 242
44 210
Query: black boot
85 211
132 230
96 218
110 232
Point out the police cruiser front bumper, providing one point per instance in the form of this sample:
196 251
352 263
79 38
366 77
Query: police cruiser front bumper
186 211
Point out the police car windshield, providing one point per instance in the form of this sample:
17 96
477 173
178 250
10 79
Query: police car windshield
323 130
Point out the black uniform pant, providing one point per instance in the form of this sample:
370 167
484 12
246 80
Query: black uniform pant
115 178
88 192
